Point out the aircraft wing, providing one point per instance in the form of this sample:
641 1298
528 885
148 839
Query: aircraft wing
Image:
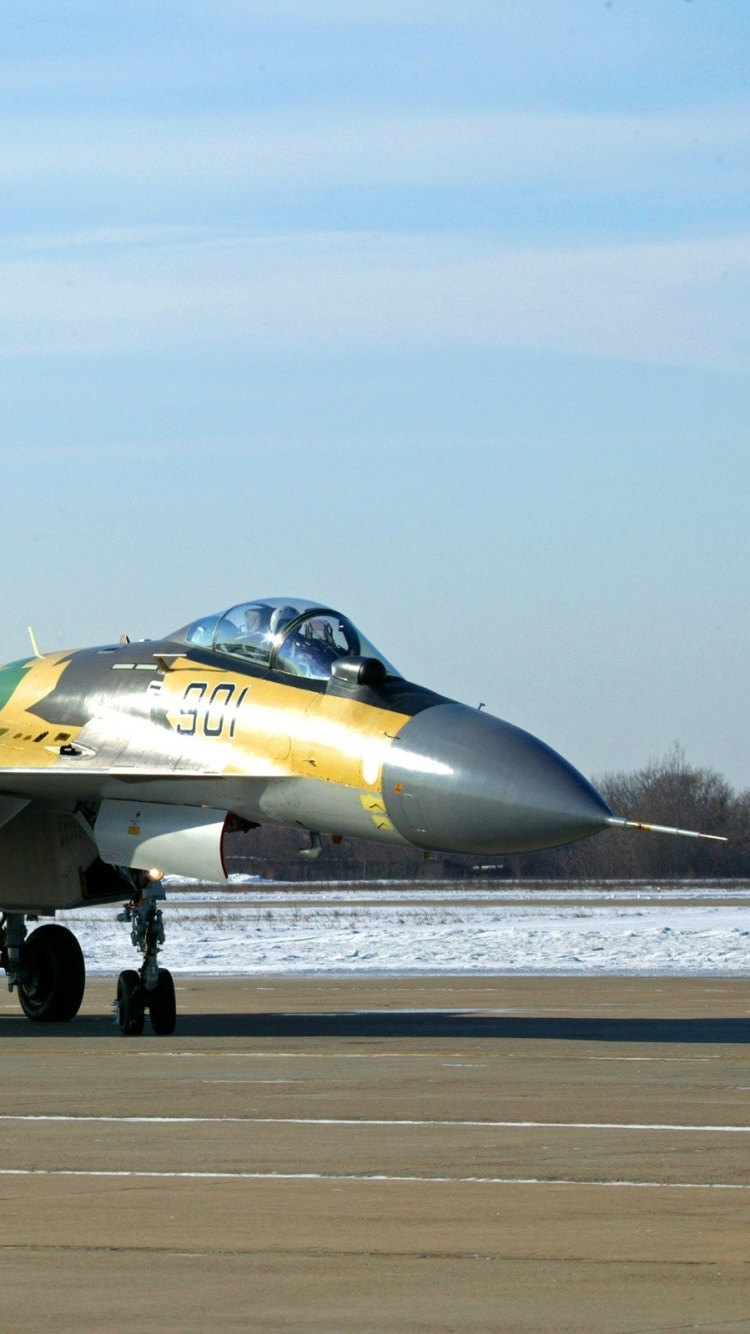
64 788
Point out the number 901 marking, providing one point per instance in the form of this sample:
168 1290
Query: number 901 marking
213 718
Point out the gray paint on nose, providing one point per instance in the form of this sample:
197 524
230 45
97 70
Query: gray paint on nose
460 780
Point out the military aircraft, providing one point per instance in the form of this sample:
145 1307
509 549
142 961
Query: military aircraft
125 763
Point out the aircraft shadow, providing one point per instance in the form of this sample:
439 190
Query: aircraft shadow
405 1025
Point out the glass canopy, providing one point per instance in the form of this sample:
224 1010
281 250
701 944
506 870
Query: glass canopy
291 635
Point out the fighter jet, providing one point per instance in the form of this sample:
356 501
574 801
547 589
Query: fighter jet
127 763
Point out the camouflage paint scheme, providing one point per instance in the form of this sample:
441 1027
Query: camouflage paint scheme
156 722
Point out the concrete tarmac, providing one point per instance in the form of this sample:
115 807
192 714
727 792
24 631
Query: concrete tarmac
377 1155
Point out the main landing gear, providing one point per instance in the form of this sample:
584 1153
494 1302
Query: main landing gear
151 988
47 968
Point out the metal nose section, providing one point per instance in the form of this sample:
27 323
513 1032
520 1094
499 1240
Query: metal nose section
462 781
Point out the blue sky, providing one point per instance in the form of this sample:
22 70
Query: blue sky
437 311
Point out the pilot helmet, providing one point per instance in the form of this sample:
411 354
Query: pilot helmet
281 617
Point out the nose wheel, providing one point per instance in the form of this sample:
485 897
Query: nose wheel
151 988
133 1000
130 1004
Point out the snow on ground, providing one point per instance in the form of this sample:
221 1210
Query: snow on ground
337 930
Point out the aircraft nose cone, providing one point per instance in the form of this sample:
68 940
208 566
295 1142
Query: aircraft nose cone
462 781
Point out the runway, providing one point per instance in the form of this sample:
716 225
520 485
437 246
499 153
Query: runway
383 1154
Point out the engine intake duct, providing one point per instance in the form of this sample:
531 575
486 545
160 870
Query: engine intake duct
174 840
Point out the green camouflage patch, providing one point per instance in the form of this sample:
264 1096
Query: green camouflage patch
11 677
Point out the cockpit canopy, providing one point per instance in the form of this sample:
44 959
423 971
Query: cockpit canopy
291 635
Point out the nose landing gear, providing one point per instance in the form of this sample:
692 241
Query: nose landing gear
152 987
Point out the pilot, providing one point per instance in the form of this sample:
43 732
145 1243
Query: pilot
280 618
311 649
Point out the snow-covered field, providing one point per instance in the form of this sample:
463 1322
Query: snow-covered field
413 930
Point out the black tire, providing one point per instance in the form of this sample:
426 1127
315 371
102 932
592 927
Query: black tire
55 975
130 1004
162 1005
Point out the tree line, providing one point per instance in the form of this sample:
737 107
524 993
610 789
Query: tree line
668 792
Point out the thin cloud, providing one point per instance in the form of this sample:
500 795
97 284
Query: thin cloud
679 303
448 149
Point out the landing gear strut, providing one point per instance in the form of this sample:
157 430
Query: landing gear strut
152 987
47 967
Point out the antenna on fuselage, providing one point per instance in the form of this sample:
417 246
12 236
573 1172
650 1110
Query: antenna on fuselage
34 644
